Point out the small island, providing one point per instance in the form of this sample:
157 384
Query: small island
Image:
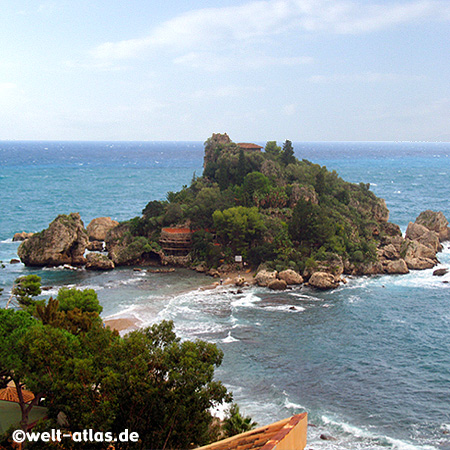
260 209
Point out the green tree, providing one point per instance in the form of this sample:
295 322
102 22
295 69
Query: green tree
272 149
24 289
287 155
235 423
239 228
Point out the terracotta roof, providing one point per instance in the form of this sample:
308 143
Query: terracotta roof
248 146
287 434
9 394
177 230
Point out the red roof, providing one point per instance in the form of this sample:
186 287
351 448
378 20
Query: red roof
177 230
248 146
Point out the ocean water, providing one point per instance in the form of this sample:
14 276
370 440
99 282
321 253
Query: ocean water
369 361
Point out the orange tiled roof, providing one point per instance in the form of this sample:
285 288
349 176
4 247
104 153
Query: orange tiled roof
248 146
177 230
287 434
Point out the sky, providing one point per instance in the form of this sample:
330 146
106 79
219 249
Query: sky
304 70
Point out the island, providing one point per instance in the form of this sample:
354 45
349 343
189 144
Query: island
254 210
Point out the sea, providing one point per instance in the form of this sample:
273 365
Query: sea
369 361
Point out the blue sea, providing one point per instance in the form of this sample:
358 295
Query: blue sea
369 361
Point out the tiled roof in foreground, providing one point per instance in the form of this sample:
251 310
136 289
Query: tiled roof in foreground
287 434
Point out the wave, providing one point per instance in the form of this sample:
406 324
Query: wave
8 241
229 339
373 440
290 405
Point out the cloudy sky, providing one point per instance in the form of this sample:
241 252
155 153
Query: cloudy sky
312 70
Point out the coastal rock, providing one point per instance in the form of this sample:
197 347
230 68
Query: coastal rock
14 261
99 227
413 249
390 229
440 272
264 277
97 261
124 249
201 268
63 242
21 236
380 211
239 281
414 231
333 264
396 267
390 252
419 263
324 280
213 273
435 221
277 285
431 240
95 246
291 277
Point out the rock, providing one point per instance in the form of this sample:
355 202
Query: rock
414 249
324 280
137 269
14 261
63 242
396 267
390 229
327 437
239 281
380 211
201 268
434 221
213 273
414 231
99 227
430 239
277 285
290 277
390 252
97 261
264 277
440 272
419 263
95 246
333 264
21 236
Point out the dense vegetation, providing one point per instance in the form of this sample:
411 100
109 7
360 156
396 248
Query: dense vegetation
268 207
149 382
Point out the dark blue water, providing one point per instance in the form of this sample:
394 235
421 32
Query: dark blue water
369 361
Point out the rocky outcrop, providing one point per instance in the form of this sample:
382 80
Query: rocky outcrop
21 236
380 211
440 272
95 246
396 267
291 277
97 261
306 193
324 280
63 242
435 221
98 228
421 234
332 264
264 277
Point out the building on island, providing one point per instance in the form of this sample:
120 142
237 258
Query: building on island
248 147
176 241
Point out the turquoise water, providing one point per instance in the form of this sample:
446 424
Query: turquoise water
370 361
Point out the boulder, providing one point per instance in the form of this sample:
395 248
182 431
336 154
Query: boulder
324 280
414 249
21 236
419 263
239 281
390 229
434 221
396 267
277 285
98 228
264 277
414 231
14 261
380 211
63 242
440 272
290 277
97 261
431 240
213 273
332 264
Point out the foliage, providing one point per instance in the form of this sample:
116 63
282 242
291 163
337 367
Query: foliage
235 423
25 288
239 227
148 381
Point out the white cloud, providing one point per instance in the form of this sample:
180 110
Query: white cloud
255 21
7 87
225 92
